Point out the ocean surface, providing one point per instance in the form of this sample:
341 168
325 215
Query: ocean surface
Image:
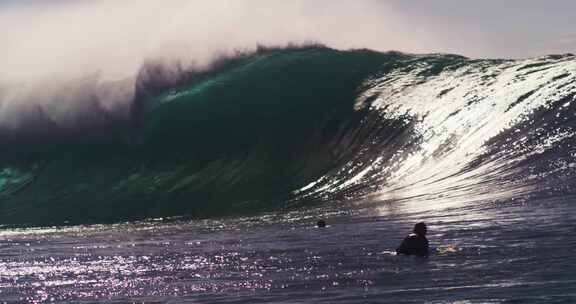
204 185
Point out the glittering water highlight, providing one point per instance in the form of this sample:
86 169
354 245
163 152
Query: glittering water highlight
481 255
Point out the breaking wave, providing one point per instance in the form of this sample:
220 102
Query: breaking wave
285 128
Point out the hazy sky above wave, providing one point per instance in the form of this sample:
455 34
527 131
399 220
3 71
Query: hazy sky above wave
42 37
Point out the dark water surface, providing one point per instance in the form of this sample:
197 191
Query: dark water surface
515 253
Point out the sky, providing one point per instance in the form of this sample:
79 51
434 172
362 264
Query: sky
40 38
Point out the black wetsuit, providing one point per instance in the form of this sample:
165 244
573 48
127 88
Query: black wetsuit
414 244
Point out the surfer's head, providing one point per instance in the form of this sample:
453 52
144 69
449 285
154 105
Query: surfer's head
321 224
420 229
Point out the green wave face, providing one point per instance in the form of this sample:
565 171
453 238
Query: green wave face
240 141
289 128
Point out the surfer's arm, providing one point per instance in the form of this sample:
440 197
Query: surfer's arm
403 246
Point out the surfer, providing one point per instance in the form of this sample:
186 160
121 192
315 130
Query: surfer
416 243
321 224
